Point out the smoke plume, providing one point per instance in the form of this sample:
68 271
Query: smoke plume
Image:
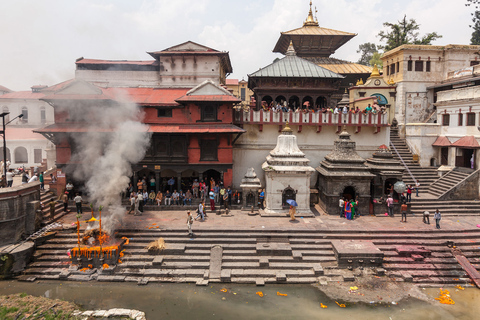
114 139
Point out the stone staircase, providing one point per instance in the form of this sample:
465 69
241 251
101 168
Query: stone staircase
447 208
45 197
424 175
262 256
448 181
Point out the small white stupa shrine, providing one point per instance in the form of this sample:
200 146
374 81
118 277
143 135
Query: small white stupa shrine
287 176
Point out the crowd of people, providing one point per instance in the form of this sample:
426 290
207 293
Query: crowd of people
307 108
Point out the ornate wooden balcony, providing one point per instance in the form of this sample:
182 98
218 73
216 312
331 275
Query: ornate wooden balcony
317 119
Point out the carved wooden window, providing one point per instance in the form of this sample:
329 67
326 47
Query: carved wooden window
460 119
209 113
392 68
419 65
445 119
164 113
208 150
409 65
428 66
470 119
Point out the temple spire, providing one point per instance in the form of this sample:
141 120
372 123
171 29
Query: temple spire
291 50
310 20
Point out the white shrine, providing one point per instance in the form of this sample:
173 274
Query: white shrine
287 176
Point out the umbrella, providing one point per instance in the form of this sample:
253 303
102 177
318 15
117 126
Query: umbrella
400 187
292 202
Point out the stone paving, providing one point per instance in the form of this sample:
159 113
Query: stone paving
240 220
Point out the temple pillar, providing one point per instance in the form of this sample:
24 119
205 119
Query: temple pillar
157 181
452 155
179 181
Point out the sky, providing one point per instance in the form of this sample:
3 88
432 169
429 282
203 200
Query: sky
40 40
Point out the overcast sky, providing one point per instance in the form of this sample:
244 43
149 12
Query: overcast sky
40 40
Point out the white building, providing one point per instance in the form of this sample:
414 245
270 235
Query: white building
25 148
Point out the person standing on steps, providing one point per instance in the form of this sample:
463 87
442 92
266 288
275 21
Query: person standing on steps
189 223
390 205
426 217
417 185
78 203
403 210
52 205
64 199
341 204
292 212
132 203
409 193
211 196
437 216
42 182
200 210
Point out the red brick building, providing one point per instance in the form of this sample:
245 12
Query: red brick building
188 112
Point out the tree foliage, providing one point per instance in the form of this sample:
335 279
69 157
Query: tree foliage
476 21
404 32
376 60
366 51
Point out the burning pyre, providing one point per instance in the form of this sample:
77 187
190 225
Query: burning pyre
96 248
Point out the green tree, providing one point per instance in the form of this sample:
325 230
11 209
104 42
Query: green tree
404 32
366 51
376 60
476 21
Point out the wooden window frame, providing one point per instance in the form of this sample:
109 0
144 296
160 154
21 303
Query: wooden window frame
470 119
206 155
445 119
460 119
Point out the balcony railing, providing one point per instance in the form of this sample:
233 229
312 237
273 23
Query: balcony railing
319 119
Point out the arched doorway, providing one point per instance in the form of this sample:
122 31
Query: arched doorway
321 102
349 193
21 155
188 176
250 200
266 100
388 188
293 102
287 194
307 102
280 99
211 173
9 158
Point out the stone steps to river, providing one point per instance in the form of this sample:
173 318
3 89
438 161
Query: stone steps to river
263 256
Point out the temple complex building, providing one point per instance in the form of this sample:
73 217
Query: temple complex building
317 44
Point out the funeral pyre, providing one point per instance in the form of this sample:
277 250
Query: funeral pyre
96 248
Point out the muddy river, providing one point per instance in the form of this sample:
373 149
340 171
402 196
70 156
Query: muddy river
187 301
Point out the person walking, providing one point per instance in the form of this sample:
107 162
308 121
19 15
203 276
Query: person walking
69 188
78 203
426 217
139 204
348 210
42 182
390 205
292 212
200 210
52 205
261 197
211 196
437 216
341 204
132 203
64 199
189 223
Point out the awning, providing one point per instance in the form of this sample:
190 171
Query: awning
441 141
200 128
71 128
466 142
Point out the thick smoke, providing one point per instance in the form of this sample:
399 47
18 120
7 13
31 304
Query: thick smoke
115 138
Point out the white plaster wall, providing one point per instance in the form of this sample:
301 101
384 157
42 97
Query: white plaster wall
111 78
190 72
34 109
420 137
277 182
252 147
30 145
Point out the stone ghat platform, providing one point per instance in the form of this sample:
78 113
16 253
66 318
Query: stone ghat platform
261 256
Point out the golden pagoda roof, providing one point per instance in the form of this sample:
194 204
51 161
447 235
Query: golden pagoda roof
340 66
312 40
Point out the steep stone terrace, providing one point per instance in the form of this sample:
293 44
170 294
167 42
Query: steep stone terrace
272 250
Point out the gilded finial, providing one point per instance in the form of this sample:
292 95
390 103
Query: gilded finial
375 72
286 128
310 20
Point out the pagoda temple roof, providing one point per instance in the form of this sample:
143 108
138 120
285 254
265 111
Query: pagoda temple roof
294 67
313 40
340 66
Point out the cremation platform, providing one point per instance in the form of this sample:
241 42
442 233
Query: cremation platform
357 253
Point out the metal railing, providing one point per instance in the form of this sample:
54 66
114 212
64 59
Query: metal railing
403 162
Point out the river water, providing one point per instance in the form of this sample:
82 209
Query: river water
187 301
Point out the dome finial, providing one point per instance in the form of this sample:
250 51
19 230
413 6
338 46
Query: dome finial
375 72
286 128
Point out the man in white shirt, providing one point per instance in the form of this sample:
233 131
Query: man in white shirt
34 178
10 176
78 203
